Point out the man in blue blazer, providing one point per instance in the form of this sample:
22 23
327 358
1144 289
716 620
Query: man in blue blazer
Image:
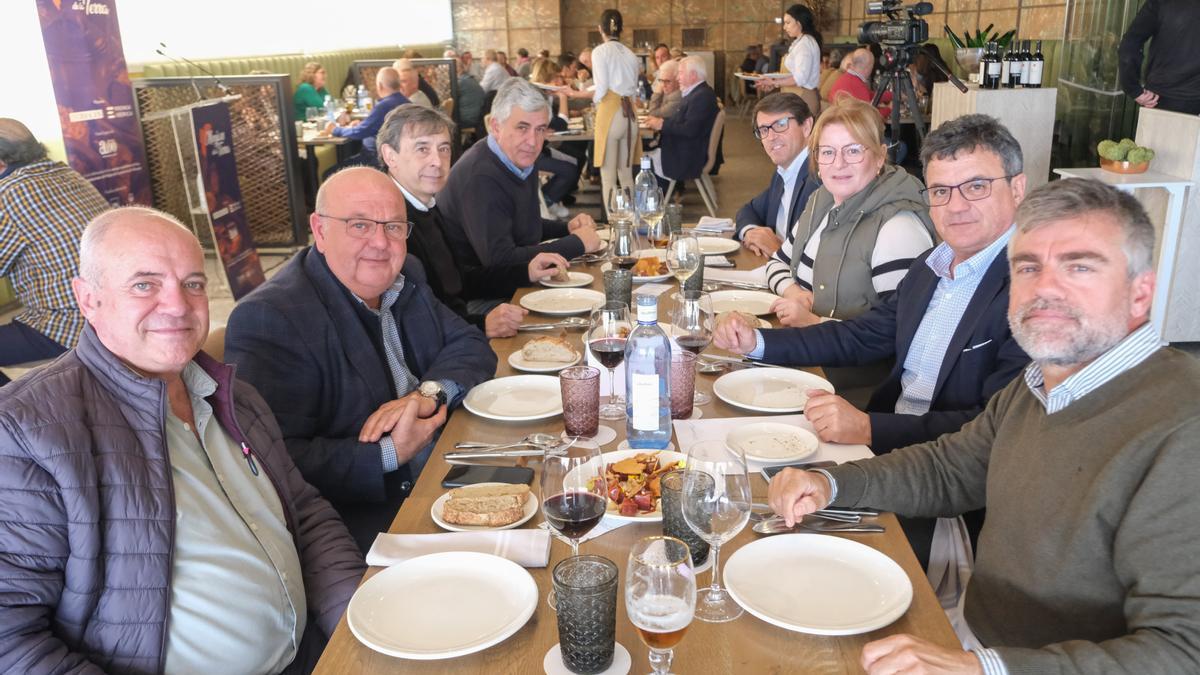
355 356
946 324
683 147
782 122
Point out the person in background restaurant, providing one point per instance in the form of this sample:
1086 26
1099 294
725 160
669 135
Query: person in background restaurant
490 203
830 74
143 480
469 103
858 233
585 56
566 160
414 144
410 83
502 59
856 81
356 357
1173 72
524 63
750 65
617 144
665 101
683 149
946 325
1090 557
311 92
926 72
422 83
471 66
387 89
803 58
494 74
44 206
782 123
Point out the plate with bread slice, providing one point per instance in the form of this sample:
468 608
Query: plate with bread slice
566 279
485 506
544 354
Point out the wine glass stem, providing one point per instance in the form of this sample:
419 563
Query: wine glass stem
660 660
612 386
574 547
714 590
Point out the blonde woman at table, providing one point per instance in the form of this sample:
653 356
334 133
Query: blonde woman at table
803 60
616 74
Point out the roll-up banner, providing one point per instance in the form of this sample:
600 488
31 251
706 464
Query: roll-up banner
95 99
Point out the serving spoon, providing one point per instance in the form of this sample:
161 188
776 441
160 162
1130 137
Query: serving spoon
537 440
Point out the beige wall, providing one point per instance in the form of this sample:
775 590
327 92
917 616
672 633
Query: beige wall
506 25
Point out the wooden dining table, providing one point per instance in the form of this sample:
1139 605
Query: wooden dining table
745 645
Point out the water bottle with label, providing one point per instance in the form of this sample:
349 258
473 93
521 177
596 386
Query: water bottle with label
362 98
331 109
644 182
647 380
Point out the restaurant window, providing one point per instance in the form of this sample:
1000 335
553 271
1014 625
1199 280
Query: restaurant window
694 37
645 38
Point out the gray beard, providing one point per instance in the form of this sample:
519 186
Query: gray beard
1080 346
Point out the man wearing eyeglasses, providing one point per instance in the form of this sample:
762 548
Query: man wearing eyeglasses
358 361
782 123
945 325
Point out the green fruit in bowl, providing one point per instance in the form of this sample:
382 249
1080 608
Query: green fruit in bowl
1139 155
1126 150
1112 150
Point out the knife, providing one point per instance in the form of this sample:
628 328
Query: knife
744 362
458 457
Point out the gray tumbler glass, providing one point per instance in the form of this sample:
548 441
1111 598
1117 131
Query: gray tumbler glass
673 524
585 588
618 286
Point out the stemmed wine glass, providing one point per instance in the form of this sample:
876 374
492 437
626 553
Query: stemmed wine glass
683 255
574 492
692 325
623 249
651 210
660 595
620 204
716 505
607 330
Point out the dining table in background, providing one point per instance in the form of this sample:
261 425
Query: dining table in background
745 645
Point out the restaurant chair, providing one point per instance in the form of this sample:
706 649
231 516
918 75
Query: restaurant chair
704 184
214 344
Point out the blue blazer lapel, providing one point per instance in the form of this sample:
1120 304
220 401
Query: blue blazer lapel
798 192
994 281
774 197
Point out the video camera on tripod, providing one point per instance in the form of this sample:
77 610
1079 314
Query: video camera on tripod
897 31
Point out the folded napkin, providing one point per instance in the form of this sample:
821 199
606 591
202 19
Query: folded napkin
527 548
756 276
710 224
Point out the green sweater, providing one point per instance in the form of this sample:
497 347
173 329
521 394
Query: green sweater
1089 560
306 97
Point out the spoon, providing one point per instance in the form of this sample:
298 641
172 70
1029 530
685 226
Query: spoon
537 440
571 322
777 526
759 512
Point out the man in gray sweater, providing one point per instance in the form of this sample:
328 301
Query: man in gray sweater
1089 560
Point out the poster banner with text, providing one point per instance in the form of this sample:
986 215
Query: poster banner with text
95 100
223 195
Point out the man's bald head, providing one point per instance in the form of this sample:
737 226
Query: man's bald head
116 229
17 144
862 61
387 81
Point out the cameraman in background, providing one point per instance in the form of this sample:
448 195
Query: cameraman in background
1173 74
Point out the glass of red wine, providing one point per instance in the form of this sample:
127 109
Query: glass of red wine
692 328
574 490
607 330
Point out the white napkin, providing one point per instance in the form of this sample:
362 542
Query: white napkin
527 548
605 526
651 289
757 275
688 432
710 224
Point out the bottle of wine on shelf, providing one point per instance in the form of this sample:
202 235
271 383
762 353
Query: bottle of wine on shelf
1006 69
1036 65
994 67
647 380
1025 57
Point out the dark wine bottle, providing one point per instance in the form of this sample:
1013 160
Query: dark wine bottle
994 67
1036 65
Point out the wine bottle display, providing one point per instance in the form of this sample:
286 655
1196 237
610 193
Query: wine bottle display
1036 66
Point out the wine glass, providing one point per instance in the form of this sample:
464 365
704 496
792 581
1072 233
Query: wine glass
607 330
624 246
683 255
574 491
716 505
651 209
620 204
692 325
660 595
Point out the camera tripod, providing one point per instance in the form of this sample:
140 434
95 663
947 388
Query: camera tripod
895 60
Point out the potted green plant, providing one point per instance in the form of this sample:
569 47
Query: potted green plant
969 53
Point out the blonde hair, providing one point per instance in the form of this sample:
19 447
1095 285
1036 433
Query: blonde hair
309 72
859 118
544 71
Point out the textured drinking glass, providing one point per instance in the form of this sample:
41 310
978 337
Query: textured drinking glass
618 286
683 384
696 281
585 589
580 400
675 218
660 596
673 524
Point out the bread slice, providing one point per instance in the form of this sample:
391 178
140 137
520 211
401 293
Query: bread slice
549 348
479 491
488 511
562 276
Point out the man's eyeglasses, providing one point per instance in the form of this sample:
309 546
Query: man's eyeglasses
851 154
778 126
364 228
972 190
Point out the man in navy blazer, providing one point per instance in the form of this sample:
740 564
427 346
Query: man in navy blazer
683 146
946 324
782 122
355 356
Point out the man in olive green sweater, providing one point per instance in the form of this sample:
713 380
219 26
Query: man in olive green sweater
1089 560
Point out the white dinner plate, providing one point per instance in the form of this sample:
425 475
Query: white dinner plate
773 390
832 586
575 280
665 456
442 605
435 511
773 442
717 245
563 301
517 398
755 302
517 360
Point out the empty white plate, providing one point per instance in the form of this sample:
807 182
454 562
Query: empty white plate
717 245
517 398
773 442
563 301
755 302
442 605
575 280
773 390
832 586
517 360
435 512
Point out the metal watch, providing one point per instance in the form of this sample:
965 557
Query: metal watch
433 390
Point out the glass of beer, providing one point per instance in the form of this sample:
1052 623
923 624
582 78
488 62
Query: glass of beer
660 596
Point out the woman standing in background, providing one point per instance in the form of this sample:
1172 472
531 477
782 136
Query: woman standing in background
615 72
803 60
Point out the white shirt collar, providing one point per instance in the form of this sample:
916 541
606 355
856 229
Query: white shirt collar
412 199
789 172
687 91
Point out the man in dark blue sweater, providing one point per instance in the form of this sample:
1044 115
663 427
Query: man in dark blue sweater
490 203
387 86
